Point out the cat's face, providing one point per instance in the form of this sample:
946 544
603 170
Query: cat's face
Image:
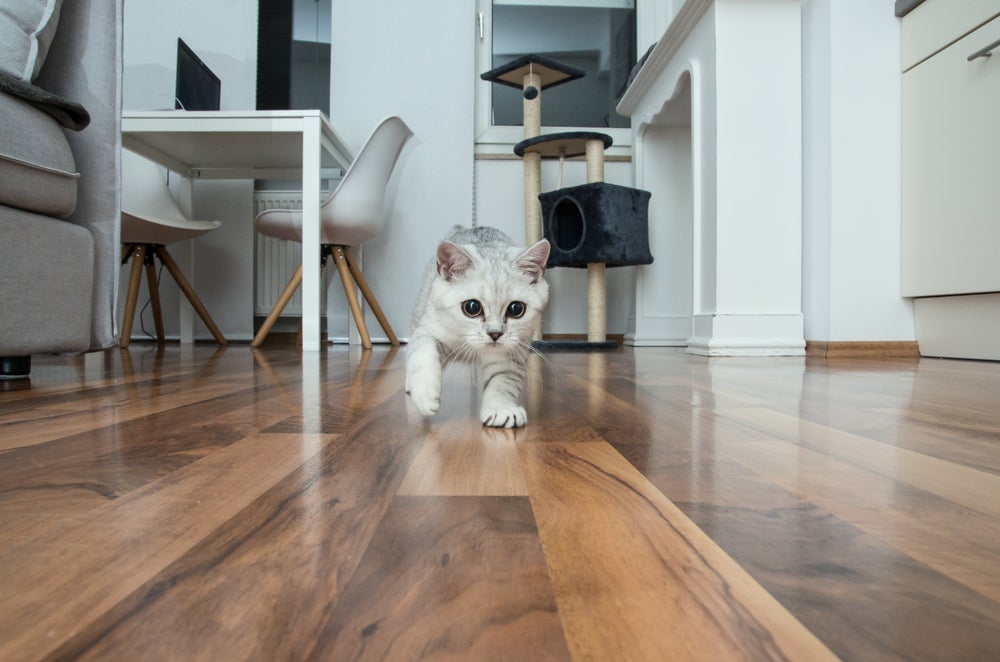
490 299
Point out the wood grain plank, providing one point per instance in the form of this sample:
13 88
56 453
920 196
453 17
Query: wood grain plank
553 411
115 406
113 378
61 378
875 567
956 541
262 584
88 376
841 547
463 458
949 435
969 487
649 585
456 578
56 584
944 434
51 484
339 409
864 598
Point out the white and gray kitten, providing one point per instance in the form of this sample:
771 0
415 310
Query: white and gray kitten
481 301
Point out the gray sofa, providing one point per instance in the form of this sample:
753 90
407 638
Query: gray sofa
59 192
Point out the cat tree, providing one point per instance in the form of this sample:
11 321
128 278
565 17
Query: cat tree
595 225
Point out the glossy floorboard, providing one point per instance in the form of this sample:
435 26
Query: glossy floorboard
195 503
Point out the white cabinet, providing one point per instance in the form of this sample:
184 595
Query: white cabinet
935 24
951 177
951 170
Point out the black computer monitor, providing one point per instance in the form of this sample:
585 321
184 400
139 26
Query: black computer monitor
197 88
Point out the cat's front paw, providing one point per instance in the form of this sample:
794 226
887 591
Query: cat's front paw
503 416
426 400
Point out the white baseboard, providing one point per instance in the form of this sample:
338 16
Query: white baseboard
724 335
660 332
748 335
632 341
747 347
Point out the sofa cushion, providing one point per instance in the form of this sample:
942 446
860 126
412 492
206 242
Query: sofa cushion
37 170
27 28
46 284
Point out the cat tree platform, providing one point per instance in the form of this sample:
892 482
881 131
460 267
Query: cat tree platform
549 72
568 144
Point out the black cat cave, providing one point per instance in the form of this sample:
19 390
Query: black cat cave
596 223
593 226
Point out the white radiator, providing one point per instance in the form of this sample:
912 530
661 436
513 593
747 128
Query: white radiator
277 259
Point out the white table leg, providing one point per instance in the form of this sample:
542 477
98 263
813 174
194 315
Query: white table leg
310 235
183 254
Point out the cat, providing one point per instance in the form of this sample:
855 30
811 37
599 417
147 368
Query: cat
481 301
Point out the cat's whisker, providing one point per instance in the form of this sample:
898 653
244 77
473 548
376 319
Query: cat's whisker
532 350
461 354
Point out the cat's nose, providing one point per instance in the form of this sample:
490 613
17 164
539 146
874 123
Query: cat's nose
495 335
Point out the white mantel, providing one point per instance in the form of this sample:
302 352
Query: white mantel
717 134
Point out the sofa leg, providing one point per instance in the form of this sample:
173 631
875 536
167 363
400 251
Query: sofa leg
14 367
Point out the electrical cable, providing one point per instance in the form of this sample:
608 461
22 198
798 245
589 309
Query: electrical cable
149 301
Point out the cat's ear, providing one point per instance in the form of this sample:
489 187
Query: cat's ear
452 260
532 260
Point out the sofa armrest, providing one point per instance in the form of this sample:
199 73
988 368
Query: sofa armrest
84 64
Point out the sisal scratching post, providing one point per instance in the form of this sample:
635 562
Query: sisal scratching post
532 111
532 162
532 208
531 74
596 303
595 161
596 285
532 105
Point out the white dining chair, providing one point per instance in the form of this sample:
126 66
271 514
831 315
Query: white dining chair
151 220
353 214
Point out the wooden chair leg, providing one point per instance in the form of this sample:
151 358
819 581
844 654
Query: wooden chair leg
369 295
279 305
154 299
182 282
138 257
352 297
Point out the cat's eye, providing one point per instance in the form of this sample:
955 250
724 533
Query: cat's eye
516 309
472 308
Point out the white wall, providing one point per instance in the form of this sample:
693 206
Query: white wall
397 57
851 172
224 35
666 301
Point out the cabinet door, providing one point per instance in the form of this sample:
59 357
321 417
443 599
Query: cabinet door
951 170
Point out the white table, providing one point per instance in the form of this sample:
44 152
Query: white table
253 144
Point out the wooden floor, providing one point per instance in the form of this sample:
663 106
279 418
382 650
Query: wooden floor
231 504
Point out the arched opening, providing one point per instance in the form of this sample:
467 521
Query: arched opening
568 228
666 289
